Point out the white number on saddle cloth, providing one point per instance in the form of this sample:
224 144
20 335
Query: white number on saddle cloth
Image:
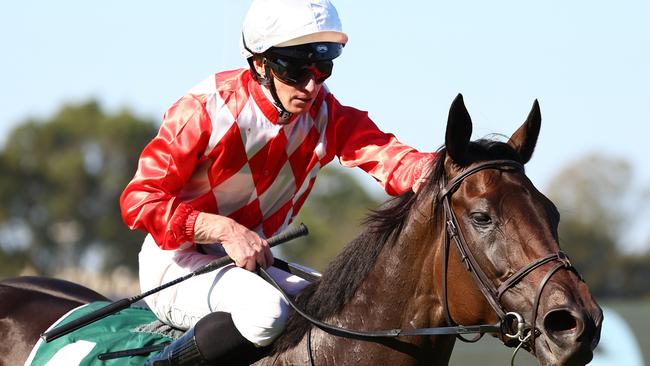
71 354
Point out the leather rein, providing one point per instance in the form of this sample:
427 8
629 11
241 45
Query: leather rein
525 332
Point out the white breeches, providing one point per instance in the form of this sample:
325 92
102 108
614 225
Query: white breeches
257 309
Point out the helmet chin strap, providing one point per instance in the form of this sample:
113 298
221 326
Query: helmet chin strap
283 114
267 80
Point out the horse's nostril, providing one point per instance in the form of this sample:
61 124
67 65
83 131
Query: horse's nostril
560 321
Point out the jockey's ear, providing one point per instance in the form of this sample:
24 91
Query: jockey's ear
525 138
459 131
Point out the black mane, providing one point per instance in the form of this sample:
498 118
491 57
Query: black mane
327 296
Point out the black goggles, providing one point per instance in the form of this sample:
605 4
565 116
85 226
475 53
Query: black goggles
294 72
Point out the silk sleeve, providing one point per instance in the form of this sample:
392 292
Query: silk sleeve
150 201
360 143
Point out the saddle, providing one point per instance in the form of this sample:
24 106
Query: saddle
131 328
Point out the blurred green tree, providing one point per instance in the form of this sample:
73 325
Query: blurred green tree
62 178
333 213
592 194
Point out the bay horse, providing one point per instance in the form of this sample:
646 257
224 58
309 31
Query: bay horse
403 272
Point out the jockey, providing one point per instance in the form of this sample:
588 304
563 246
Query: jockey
233 162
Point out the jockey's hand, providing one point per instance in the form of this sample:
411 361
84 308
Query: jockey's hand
244 246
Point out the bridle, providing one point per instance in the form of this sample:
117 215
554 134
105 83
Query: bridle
492 293
525 332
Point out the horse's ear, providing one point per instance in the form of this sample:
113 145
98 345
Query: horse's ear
459 131
525 138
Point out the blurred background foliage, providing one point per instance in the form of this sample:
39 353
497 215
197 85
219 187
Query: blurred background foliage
62 177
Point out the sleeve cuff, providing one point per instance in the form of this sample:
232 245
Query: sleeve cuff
181 228
189 225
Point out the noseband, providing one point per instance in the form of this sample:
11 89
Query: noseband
492 293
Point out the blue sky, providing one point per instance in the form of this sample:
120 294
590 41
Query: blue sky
587 62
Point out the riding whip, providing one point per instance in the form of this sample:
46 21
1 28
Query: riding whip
118 305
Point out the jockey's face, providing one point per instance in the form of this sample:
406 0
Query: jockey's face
297 97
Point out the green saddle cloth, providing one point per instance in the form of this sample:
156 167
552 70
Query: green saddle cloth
128 329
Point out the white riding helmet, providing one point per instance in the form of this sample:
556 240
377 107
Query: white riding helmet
283 23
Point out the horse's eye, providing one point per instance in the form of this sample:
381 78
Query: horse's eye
481 218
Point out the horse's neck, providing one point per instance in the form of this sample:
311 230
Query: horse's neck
397 293
391 290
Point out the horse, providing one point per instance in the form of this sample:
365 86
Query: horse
403 272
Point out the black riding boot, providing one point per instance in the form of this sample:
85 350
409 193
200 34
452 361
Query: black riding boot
213 341
183 351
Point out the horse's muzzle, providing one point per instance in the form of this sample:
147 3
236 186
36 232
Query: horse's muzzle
571 334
